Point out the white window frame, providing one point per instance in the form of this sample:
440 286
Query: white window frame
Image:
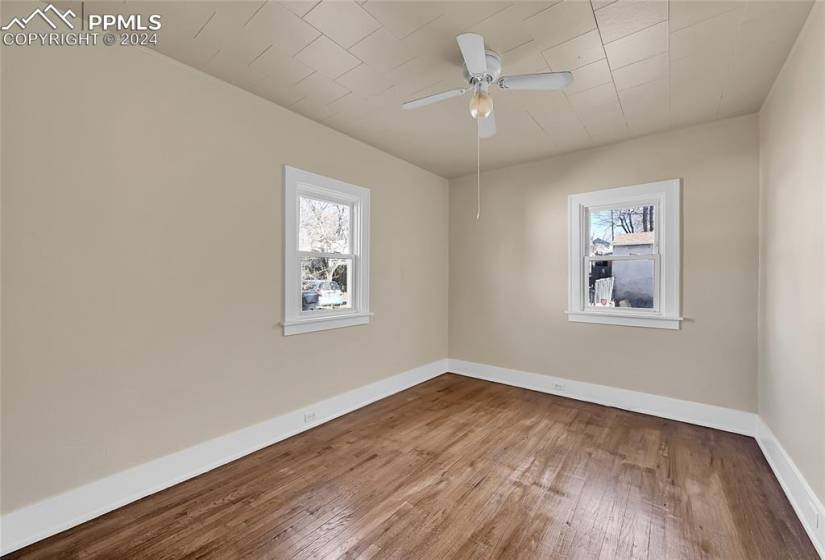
665 196
299 183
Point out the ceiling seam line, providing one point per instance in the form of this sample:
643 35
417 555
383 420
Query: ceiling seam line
635 32
195 36
612 77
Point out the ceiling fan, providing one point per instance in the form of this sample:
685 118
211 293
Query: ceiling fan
482 68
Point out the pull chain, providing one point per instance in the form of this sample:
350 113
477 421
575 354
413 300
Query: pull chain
478 169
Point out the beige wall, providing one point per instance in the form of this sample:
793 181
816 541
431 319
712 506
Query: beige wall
792 253
142 264
508 272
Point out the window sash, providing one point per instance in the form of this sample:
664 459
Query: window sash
665 251
588 307
314 195
301 255
322 255
352 290
298 185
621 257
590 209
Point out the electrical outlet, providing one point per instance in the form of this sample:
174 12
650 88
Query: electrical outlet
309 417
558 386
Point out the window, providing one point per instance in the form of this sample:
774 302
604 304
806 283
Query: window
326 253
624 256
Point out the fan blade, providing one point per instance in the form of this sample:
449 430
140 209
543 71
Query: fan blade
487 126
472 49
545 81
435 98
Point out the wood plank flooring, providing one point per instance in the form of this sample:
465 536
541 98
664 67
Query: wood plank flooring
461 468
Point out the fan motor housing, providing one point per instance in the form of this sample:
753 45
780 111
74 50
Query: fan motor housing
493 69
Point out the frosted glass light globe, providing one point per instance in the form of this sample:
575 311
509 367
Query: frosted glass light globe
481 105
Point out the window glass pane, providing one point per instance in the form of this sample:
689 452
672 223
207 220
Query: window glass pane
622 231
325 283
323 226
625 283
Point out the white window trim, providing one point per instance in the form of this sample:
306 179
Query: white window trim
299 183
666 196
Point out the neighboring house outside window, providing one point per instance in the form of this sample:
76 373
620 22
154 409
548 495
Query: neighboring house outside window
624 256
326 253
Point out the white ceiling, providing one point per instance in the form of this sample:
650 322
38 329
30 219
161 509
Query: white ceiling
639 66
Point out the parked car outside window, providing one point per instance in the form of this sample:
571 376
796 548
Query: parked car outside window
322 294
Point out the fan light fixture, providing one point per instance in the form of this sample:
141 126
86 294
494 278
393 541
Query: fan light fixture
482 68
481 104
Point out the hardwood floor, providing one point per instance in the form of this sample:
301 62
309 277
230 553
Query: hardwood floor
461 468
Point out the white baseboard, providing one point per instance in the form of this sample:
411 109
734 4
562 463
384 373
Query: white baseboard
728 419
807 506
52 515
58 513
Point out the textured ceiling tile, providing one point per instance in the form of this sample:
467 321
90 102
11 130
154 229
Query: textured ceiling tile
517 135
382 50
364 80
467 13
543 103
654 68
772 23
524 59
229 68
625 17
590 76
575 53
299 7
710 38
273 88
699 67
647 107
559 118
561 22
343 21
281 27
504 30
241 46
766 34
327 57
692 110
693 101
593 98
722 61
276 63
227 19
413 76
320 89
638 46
526 10
687 13
402 18
206 33
312 109
599 4
351 104
605 122
435 40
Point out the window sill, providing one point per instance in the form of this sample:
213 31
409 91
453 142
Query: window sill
312 324
628 320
